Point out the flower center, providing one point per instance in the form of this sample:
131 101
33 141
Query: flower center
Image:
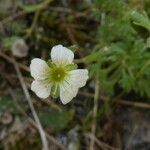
58 74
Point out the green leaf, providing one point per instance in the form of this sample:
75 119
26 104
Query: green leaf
34 7
30 8
8 41
71 67
56 119
127 82
51 64
73 48
7 104
148 42
141 19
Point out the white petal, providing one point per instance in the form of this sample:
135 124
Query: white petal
78 78
39 69
67 92
41 89
75 80
61 55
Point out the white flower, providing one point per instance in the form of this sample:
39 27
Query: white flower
57 76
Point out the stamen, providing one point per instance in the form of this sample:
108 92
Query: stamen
58 74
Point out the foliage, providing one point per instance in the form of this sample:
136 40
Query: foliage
8 105
55 119
121 57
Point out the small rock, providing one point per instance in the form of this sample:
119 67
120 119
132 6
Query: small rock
6 118
19 48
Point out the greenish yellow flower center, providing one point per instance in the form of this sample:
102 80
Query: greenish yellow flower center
58 74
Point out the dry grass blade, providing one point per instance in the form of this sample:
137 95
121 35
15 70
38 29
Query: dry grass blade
12 61
121 101
101 144
93 130
28 98
49 137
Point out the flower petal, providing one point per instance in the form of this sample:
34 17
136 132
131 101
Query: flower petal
67 92
61 55
39 69
78 77
41 89
75 80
